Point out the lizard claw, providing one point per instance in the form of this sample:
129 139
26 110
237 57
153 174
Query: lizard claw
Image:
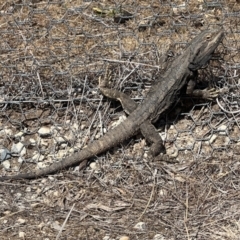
210 94
104 82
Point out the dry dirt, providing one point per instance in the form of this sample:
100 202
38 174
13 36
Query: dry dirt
52 54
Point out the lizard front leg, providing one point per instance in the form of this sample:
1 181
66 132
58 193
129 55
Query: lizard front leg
147 129
200 93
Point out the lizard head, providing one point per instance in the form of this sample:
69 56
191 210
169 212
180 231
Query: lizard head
204 46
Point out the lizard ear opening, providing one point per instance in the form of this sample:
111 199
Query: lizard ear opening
192 66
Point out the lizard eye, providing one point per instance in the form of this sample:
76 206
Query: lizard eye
208 37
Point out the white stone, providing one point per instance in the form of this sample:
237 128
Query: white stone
6 131
61 154
94 166
6 164
120 120
18 135
108 238
4 154
159 237
44 131
37 157
32 141
75 126
60 140
18 149
51 178
141 226
222 130
21 221
18 195
20 160
28 189
68 122
45 142
41 165
124 238
21 235
70 136
213 138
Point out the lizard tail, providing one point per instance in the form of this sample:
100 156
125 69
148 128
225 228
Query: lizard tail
123 131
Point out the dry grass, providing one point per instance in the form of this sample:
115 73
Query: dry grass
51 57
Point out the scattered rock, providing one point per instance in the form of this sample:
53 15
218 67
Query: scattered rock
21 221
32 142
18 195
41 165
6 164
75 127
120 120
108 238
124 238
51 178
44 131
213 138
141 226
41 225
28 189
222 130
95 166
70 136
6 132
37 157
21 235
138 148
19 135
68 122
98 135
61 154
159 237
20 160
60 140
4 154
45 142
71 150
18 149
56 225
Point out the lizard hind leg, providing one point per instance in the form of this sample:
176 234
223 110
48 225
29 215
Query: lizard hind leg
147 129
127 103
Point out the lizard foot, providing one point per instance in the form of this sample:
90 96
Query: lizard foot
105 81
210 94
157 149
206 93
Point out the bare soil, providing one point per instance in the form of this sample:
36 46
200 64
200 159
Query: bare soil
52 54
